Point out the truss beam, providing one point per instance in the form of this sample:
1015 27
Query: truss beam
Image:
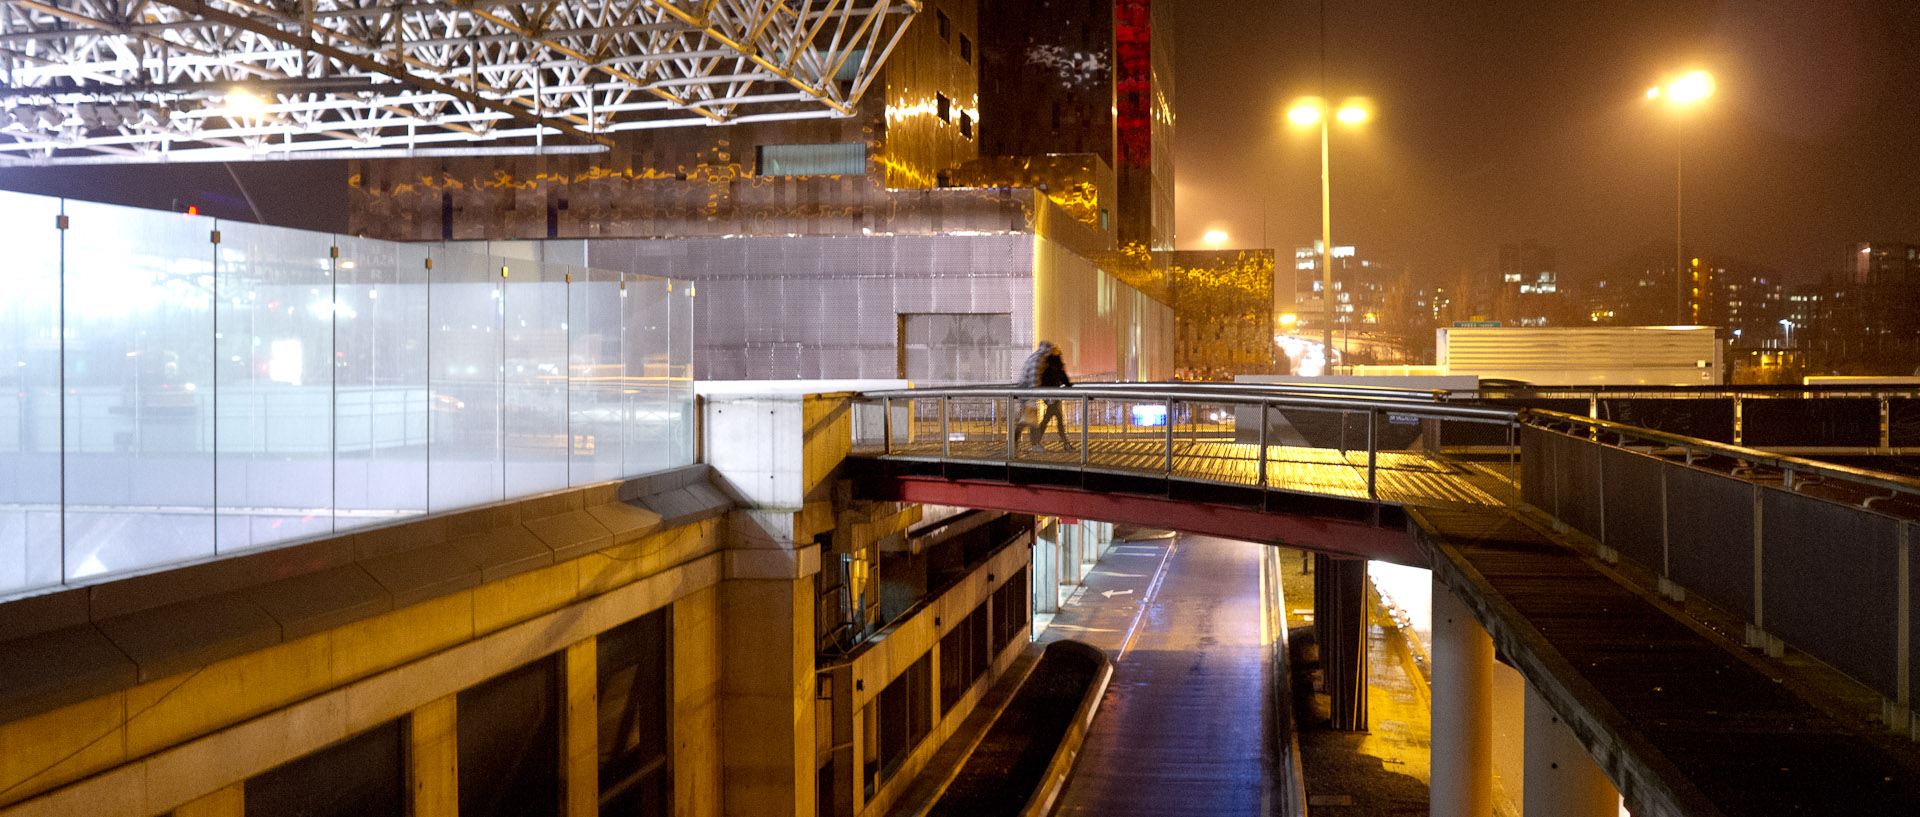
140 80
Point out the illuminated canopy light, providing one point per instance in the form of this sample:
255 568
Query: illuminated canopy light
106 82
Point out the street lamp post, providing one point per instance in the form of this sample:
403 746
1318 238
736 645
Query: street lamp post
1307 112
1689 88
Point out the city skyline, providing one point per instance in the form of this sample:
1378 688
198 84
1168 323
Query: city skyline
1505 122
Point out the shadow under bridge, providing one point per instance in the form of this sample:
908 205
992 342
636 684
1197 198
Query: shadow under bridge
1331 469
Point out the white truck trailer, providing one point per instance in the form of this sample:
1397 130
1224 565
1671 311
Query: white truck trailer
1584 356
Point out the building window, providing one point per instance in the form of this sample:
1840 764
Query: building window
966 125
509 734
840 159
635 692
943 107
966 50
944 23
964 657
906 715
362 775
1010 611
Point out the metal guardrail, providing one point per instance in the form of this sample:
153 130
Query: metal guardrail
1244 435
1812 554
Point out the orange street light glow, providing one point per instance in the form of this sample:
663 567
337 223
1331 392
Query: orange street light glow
1304 114
1352 115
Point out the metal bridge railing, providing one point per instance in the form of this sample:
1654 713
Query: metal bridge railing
1812 554
1343 441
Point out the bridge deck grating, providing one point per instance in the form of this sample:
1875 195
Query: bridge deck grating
1400 477
1743 740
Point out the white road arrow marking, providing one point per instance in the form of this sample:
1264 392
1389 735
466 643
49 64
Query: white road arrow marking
1112 593
1128 575
1079 629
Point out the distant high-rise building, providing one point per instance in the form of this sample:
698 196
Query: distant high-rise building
1528 286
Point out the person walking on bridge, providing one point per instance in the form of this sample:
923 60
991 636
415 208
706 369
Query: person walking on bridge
1045 369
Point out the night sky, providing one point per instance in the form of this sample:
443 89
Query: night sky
1513 120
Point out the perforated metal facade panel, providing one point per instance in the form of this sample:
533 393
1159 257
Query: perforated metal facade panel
830 307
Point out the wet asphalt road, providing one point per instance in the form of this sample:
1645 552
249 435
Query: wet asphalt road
1183 727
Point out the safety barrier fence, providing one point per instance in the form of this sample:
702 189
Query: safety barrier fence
1812 554
176 388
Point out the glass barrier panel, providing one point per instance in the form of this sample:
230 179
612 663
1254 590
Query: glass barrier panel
464 411
535 369
30 399
680 363
273 374
596 404
380 382
138 408
649 401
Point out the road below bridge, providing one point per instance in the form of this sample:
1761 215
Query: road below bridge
1184 727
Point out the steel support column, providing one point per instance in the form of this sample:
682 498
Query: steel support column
1340 628
1462 719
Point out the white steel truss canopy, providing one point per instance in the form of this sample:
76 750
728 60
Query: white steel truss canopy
129 81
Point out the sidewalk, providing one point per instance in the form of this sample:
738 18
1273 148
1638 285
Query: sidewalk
1379 773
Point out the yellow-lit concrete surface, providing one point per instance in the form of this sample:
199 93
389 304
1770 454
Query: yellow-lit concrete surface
1383 771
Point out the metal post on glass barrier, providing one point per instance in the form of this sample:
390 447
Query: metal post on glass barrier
1085 418
886 426
1373 450
1169 423
946 429
1263 445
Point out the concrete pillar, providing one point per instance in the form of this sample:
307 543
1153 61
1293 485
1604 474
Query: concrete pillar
580 731
1561 778
767 664
1340 628
1462 720
433 759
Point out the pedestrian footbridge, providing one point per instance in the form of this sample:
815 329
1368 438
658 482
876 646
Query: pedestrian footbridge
1723 630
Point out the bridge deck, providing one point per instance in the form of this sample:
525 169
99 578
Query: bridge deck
1400 477
1721 731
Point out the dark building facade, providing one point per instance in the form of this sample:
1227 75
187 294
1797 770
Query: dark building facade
1095 77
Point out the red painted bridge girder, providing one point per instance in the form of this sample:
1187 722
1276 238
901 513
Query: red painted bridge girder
1337 537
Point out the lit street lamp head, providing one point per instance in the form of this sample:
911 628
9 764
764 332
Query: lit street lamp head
1305 112
1215 238
1687 89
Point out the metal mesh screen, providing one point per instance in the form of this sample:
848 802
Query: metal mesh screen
1632 485
1833 421
1712 545
1830 583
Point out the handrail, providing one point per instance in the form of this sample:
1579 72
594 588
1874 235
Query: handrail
1435 395
1784 462
1369 402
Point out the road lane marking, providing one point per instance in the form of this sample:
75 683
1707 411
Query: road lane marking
1153 589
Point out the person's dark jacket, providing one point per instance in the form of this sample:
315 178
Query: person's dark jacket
1054 372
